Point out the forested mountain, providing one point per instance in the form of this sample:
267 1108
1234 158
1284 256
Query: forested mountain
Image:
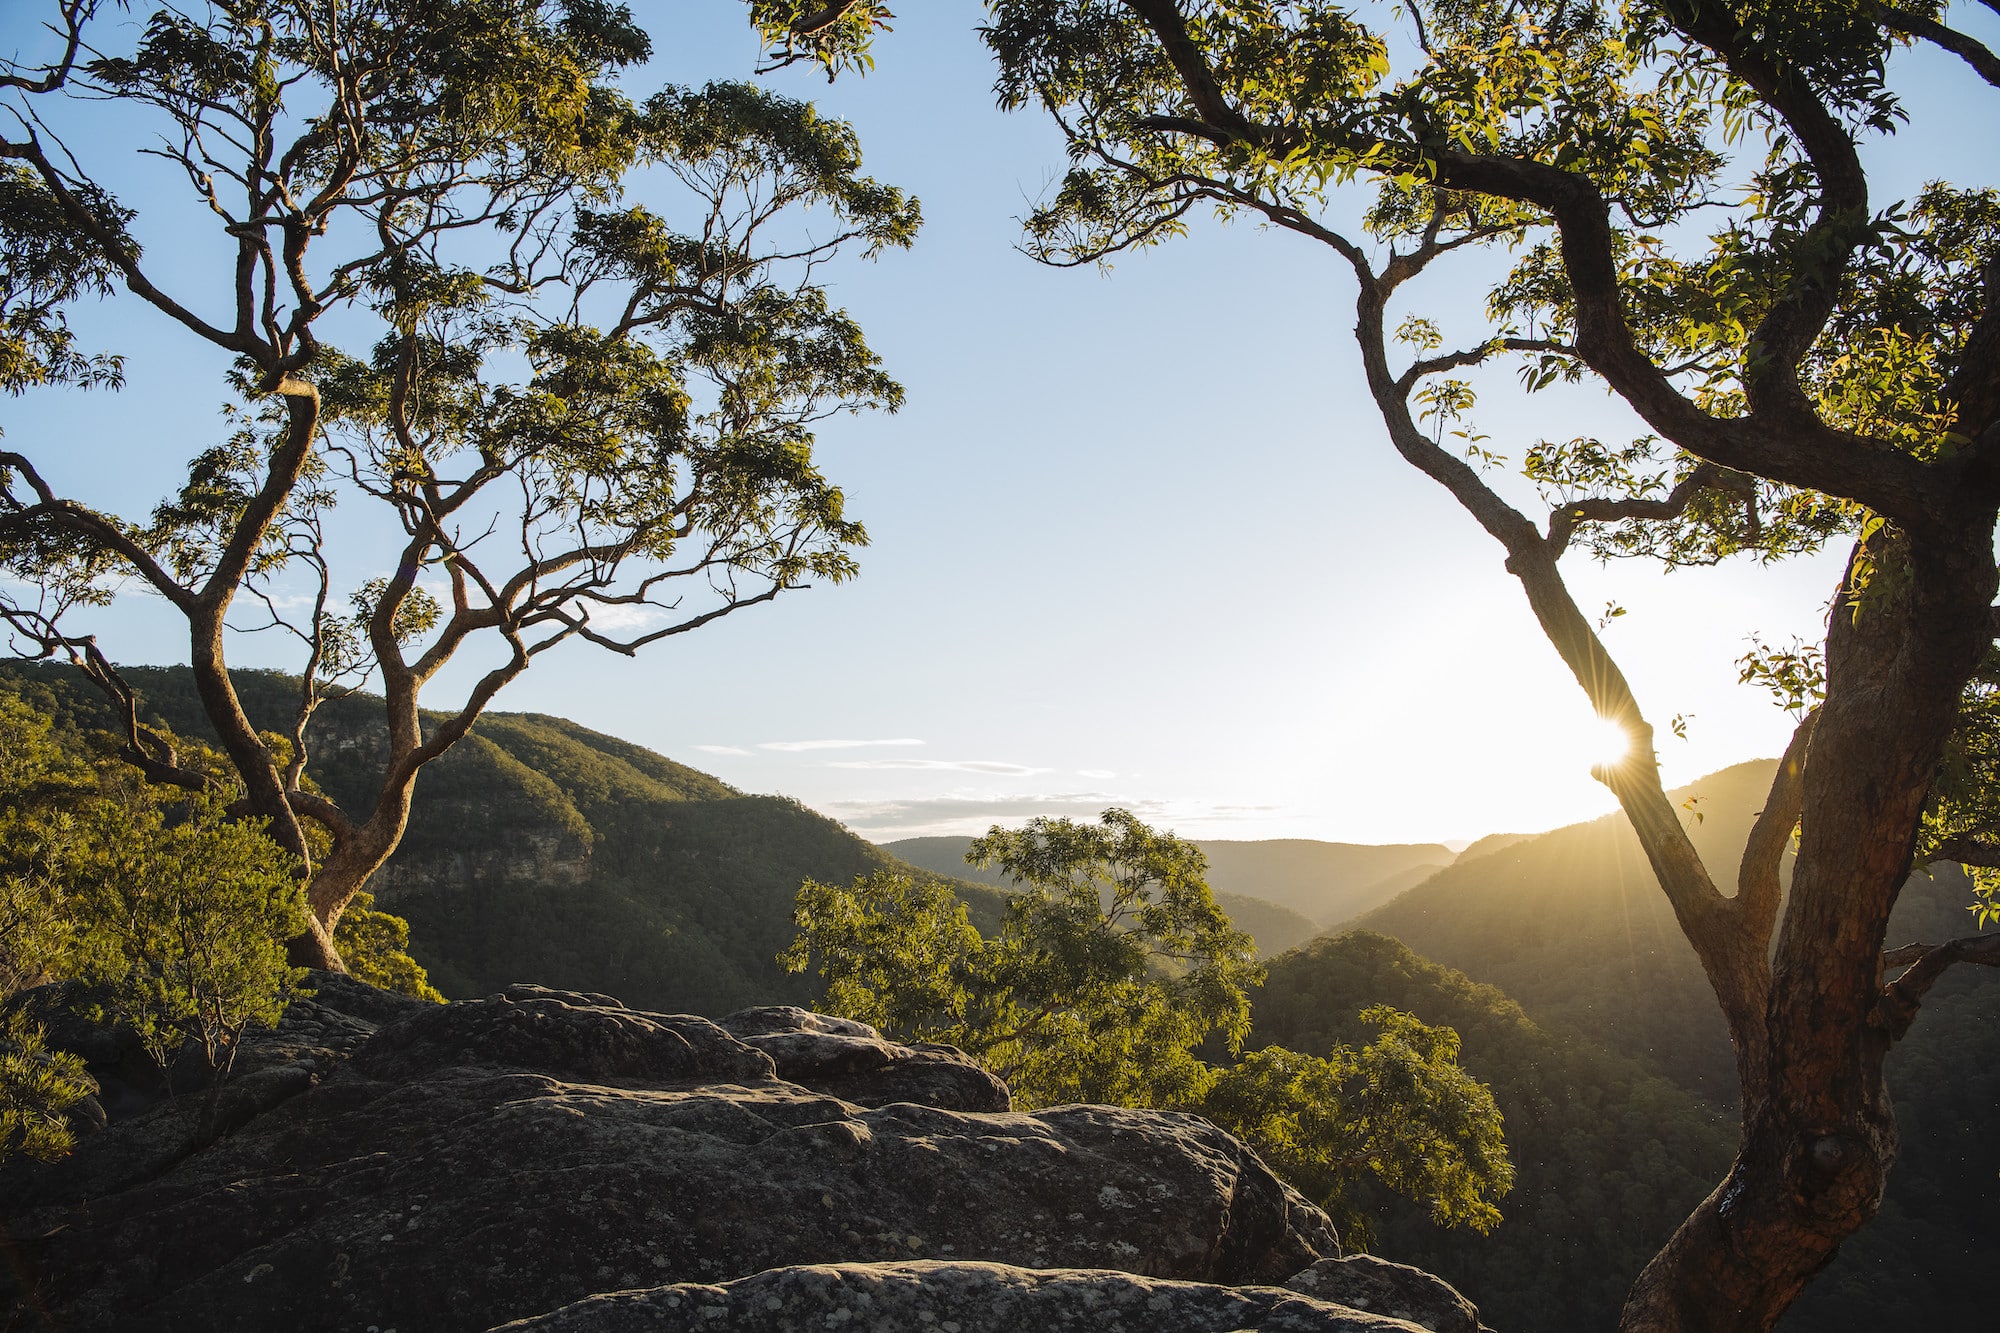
1572 926
1608 1155
540 850
1274 928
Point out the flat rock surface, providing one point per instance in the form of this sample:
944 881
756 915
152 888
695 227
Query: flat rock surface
442 1168
956 1298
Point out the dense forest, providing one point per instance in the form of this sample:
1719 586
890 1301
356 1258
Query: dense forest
1608 1155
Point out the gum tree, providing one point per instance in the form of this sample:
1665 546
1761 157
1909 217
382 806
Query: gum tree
566 346
1674 199
1112 971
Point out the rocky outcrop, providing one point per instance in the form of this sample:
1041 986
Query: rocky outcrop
1365 1282
851 1061
956 1298
453 1167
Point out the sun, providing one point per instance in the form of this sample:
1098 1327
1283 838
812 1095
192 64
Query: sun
1609 743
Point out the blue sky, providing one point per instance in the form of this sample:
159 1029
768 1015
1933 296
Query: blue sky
1138 537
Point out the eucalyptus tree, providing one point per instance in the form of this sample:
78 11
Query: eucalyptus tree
569 344
1112 971
1676 197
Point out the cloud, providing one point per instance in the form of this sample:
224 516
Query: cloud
721 749
792 747
618 617
988 766
1098 773
890 819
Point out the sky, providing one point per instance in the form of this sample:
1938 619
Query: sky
1138 537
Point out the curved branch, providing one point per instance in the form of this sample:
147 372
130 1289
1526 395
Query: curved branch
1781 438
322 811
1169 27
82 521
1473 356
1840 224
1564 519
145 749
1757 883
1966 47
1901 998
115 249
1967 850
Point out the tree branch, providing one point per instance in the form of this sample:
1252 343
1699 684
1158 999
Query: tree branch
1757 883
322 811
145 749
1901 998
1966 47
1781 438
1967 850
1563 520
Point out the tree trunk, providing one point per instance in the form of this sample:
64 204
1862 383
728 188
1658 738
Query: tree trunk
1801 1184
1818 1131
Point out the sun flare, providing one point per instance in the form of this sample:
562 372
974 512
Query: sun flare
1609 744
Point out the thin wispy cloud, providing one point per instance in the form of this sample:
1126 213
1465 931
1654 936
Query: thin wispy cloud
793 747
619 617
1099 773
990 767
887 820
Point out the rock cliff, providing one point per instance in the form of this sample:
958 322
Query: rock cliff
380 1163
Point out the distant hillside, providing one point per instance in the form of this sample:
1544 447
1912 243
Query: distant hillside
1323 882
1274 928
1572 925
540 850
1493 842
1327 881
1386 888
1609 1156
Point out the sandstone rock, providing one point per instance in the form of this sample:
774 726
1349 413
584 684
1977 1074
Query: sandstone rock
563 1034
955 1298
1397 1290
492 1159
853 1062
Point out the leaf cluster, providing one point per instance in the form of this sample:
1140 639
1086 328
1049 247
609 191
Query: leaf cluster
1398 1112
45 267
